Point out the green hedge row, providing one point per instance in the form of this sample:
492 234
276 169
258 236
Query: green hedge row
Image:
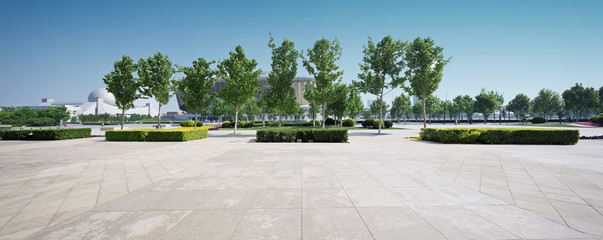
156 135
45 134
501 135
291 135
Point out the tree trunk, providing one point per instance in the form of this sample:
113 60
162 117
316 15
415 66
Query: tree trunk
280 118
444 118
424 113
196 111
123 113
263 118
159 117
485 118
323 115
236 119
380 111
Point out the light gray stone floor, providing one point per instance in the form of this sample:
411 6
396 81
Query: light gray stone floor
230 187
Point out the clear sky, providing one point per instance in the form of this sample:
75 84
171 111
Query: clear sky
62 49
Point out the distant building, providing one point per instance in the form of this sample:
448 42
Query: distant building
99 102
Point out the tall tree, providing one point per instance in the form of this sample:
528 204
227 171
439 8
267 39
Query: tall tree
220 109
468 107
310 96
425 62
417 109
381 67
321 64
340 104
500 99
447 108
155 79
377 108
432 104
241 76
400 106
355 105
580 100
122 84
520 105
195 85
546 103
486 103
281 95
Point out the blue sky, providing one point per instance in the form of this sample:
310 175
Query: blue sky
62 49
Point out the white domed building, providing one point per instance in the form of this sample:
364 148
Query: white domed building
101 101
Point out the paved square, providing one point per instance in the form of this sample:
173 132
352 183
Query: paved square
230 187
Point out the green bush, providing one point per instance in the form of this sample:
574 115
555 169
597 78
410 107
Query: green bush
348 122
45 134
538 120
596 118
388 123
329 121
368 123
188 123
317 122
501 135
226 124
155 135
291 135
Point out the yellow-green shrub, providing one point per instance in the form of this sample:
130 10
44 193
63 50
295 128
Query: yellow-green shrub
156 134
501 135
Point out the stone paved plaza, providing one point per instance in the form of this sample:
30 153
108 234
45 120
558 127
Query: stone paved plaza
230 187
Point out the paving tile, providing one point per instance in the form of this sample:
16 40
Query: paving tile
278 198
207 224
325 197
270 224
373 197
333 223
396 223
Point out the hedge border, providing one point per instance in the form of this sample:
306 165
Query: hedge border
306 135
45 134
501 135
156 135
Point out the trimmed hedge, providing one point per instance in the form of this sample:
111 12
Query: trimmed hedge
191 123
368 123
45 134
596 118
156 135
501 135
291 135
348 122
538 120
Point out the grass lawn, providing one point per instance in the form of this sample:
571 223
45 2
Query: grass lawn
547 125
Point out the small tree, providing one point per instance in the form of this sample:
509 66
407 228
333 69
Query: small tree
486 103
220 109
377 108
400 106
195 86
468 107
241 78
432 104
252 109
381 62
122 84
281 95
520 105
321 64
355 105
340 103
155 77
417 109
546 103
425 63
310 96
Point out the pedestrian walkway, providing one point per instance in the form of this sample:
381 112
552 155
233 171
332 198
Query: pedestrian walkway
225 187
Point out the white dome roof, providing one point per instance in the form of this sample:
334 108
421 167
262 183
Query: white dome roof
107 97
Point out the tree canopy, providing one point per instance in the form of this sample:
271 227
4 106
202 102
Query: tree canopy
486 103
400 106
520 105
281 95
122 84
155 79
195 85
546 103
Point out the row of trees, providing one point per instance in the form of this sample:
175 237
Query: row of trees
383 64
51 116
105 117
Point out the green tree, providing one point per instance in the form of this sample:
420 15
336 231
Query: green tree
432 104
486 103
310 96
417 109
122 84
58 113
355 105
377 108
198 80
252 109
601 99
446 107
520 105
580 100
155 79
220 109
321 64
468 107
425 62
381 67
500 99
546 103
400 106
340 103
281 95
241 76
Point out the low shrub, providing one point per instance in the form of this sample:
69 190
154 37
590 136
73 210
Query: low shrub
161 135
291 135
348 122
538 120
368 123
45 134
501 135
596 118
188 123
388 123
316 122
329 121
226 124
